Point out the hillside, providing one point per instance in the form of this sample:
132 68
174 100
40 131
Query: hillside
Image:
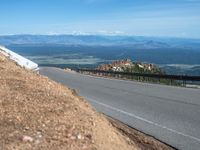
37 113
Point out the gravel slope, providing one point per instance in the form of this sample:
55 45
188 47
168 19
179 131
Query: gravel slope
37 113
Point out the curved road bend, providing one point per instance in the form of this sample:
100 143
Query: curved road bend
171 114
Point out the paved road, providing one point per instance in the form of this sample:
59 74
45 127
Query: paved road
171 114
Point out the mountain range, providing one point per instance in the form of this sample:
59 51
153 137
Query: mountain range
101 40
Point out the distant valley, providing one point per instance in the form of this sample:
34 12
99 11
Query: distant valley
174 55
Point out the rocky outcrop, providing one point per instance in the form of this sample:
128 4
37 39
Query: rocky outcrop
128 66
116 65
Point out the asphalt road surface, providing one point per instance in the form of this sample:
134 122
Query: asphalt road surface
170 114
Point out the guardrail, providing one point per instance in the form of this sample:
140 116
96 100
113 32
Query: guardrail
171 78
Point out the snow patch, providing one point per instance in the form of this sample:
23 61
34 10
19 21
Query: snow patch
20 60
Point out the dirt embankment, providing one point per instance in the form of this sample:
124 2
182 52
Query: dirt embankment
37 113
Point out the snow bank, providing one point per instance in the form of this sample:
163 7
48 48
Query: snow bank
23 62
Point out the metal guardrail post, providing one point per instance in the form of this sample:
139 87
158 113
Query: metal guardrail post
142 77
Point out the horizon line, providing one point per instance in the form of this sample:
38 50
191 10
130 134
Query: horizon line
93 34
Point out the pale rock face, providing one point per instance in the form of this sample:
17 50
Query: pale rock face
141 66
26 138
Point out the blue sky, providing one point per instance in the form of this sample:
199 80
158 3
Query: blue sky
174 18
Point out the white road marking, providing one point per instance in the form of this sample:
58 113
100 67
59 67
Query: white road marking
145 120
